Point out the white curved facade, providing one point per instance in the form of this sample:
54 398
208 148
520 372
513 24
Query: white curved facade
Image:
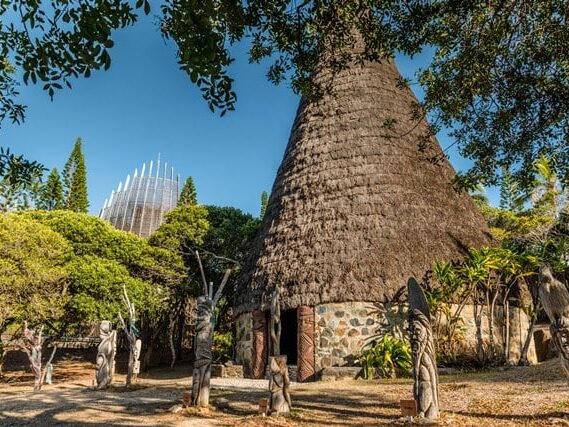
139 206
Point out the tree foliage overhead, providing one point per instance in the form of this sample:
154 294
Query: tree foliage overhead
75 180
18 179
498 78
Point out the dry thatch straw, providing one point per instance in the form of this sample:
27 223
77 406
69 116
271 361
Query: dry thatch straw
356 208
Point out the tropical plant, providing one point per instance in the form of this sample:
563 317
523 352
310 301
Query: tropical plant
547 194
222 347
389 355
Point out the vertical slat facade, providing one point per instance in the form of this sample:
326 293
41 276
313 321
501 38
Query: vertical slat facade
141 204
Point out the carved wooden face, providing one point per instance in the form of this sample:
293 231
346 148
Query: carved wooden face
418 332
105 327
562 336
205 306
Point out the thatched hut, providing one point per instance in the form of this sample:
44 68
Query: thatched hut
356 208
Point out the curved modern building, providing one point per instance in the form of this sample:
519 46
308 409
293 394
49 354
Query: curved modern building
139 206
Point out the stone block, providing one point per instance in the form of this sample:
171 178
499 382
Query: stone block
340 373
226 371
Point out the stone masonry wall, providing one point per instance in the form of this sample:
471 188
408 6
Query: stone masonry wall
342 329
518 327
244 341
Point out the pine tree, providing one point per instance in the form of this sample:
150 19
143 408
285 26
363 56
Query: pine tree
511 198
188 196
75 181
51 193
264 201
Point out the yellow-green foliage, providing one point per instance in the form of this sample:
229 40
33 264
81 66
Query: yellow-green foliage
388 354
32 271
506 224
185 226
88 259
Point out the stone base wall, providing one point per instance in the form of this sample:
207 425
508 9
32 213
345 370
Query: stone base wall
244 341
518 327
343 329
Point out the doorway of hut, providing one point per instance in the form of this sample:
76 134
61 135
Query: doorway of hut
289 336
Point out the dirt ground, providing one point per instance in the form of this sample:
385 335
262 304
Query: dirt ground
527 396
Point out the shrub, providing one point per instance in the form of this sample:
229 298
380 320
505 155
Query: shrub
389 355
222 346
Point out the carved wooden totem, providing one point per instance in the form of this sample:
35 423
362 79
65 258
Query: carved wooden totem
105 365
260 345
131 333
203 341
279 384
425 375
306 362
276 322
34 354
555 299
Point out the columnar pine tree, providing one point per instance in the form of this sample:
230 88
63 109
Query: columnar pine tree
51 193
188 196
511 197
75 181
264 201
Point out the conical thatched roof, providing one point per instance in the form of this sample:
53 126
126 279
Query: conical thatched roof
355 208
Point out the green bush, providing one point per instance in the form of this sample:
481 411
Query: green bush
389 354
222 346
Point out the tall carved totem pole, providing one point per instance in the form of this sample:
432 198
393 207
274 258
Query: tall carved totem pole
425 375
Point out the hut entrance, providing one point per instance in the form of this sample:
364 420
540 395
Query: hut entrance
289 332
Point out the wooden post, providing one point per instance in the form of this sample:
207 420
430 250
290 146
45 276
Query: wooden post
306 365
260 345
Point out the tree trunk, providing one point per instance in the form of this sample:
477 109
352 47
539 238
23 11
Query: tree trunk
171 324
150 347
524 356
490 316
2 356
507 331
129 372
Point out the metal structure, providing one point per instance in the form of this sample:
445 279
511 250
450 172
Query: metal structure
141 204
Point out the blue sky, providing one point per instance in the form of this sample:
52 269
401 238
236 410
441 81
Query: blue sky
144 105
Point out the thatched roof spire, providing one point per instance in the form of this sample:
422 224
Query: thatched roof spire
356 209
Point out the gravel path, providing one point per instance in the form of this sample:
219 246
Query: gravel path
523 396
